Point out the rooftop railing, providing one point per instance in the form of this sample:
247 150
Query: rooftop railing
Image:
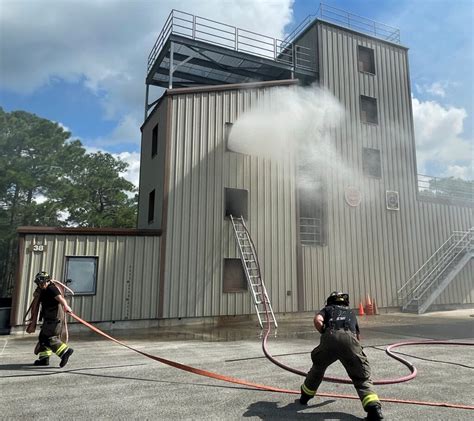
350 21
237 39
446 188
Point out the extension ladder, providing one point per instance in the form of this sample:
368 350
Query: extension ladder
248 256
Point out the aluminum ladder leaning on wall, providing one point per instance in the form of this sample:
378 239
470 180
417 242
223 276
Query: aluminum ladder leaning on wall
428 282
248 256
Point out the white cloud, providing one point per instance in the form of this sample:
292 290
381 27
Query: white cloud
439 89
439 141
133 171
458 171
126 132
105 44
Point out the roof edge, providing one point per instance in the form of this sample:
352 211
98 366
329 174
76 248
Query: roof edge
234 86
88 231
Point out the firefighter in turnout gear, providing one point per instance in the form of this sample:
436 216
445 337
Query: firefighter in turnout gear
339 330
49 298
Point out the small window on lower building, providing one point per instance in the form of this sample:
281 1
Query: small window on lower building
81 274
236 202
151 206
368 109
234 276
371 164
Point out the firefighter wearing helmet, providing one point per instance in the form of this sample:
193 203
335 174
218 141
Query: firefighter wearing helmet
50 300
339 330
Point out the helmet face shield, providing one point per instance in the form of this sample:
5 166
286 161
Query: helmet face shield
41 278
338 298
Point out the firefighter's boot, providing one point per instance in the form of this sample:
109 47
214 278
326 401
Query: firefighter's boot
65 357
374 413
42 361
304 398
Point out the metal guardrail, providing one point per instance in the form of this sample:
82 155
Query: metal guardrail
445 188
430 273
221 34
348 20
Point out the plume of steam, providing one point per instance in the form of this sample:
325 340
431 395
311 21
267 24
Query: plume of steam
290 122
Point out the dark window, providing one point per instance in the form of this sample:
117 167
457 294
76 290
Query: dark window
311 207
154 141
236 202
227 129
81 274
371 165
366 60
368 109
151 206
233 276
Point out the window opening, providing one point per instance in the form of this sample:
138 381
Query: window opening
371 162
368 109
236 202
151 206
366 60
81 274
234 279
154 141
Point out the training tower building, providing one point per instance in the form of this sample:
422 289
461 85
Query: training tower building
207 214
369 237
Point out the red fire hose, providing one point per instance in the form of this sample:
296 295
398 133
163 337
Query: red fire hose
221 377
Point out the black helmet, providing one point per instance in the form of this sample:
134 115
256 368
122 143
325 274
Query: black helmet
42 277
338 298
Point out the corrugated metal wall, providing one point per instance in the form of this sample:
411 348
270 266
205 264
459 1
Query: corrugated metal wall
371 249
198 236
127 278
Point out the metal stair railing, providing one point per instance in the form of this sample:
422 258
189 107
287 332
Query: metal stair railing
251 266
430 275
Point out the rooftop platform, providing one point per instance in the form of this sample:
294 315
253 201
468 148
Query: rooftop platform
192 50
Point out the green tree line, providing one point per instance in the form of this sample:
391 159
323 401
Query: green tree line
48 179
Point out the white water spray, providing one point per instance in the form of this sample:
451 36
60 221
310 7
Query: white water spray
292 122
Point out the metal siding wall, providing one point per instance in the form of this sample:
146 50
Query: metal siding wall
370 249
199 237
309 40
127 286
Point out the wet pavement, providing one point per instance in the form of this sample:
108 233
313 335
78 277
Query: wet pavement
104 380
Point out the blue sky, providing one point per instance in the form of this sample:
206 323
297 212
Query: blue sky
82 63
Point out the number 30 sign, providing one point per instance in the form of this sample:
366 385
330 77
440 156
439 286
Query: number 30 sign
37 248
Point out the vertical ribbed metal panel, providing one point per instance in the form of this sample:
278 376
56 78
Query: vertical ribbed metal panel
127 287
198 235
372 250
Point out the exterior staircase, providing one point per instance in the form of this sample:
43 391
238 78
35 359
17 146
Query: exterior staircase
426 284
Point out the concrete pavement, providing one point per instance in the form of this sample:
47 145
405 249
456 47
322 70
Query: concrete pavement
106 381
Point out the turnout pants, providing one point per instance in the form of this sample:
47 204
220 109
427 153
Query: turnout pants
341 345
49 339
